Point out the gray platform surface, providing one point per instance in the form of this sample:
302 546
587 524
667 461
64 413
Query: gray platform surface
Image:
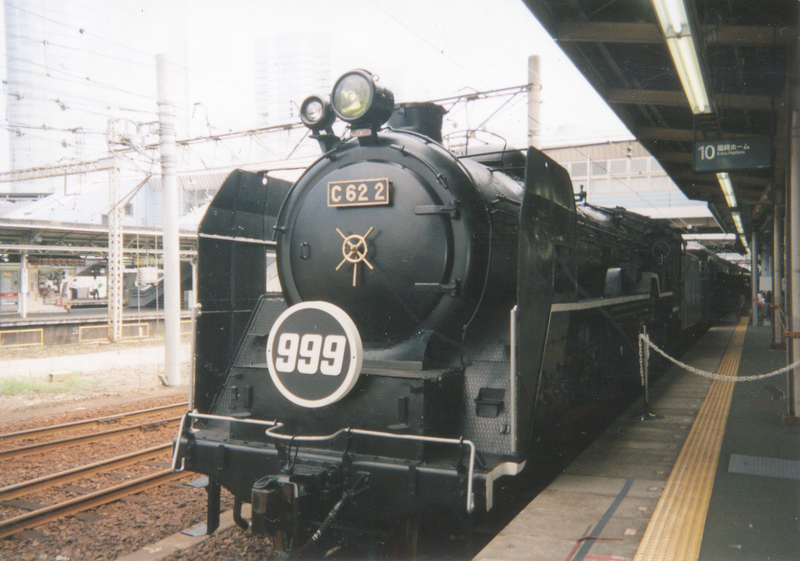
610 491
754 512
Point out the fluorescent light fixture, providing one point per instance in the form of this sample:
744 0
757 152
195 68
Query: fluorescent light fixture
675 23
727 189
737 219
746 245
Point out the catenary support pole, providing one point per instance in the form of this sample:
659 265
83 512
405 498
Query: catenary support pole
169 201
114 282
22 295
793 260
792 227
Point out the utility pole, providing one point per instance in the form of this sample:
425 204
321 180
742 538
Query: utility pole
169 201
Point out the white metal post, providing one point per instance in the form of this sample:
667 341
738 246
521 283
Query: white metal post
534 102
169 201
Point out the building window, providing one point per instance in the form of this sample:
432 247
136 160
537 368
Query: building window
599 167
639 165
619 167
579 169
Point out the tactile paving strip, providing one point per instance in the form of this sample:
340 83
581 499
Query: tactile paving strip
676 527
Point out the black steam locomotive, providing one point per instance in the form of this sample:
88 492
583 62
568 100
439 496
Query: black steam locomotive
438 314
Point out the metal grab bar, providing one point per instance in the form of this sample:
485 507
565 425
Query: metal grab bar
195 415
457 441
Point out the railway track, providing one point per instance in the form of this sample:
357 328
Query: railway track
40 432
93 499
46 514
86 438
62 478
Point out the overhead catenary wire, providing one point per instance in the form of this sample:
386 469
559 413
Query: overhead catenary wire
513 92
218 139
72 28
90 34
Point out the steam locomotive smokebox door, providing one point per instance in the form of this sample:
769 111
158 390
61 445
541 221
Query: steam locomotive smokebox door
342 254
399 247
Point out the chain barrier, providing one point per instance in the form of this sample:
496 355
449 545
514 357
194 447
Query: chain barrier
644 355
711 375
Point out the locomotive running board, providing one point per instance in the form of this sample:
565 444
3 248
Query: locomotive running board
597 303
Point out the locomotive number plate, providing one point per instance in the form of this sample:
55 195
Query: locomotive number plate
314 354
362 192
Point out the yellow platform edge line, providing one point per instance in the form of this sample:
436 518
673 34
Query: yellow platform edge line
675 531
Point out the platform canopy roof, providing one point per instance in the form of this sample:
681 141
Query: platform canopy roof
746 51
56 239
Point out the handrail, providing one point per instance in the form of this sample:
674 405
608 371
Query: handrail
275 426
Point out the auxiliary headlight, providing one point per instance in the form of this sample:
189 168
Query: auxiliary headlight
316 113
357 100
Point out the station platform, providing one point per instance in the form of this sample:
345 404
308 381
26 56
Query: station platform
715 477
87 315
82 325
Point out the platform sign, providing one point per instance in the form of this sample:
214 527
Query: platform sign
9 291
728 155
314 354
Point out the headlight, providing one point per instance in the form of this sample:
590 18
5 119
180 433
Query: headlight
352 96
357 100
316 113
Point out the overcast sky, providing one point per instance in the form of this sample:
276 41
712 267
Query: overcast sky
94 52
434 48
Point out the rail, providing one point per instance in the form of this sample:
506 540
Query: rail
64 427
46 514
45 482
83 439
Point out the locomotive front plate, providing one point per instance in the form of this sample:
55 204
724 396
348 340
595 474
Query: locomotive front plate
361 192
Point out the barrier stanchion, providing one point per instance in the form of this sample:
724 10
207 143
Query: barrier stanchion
644 359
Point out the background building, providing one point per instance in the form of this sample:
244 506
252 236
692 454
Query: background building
624 174
72 69
289 67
